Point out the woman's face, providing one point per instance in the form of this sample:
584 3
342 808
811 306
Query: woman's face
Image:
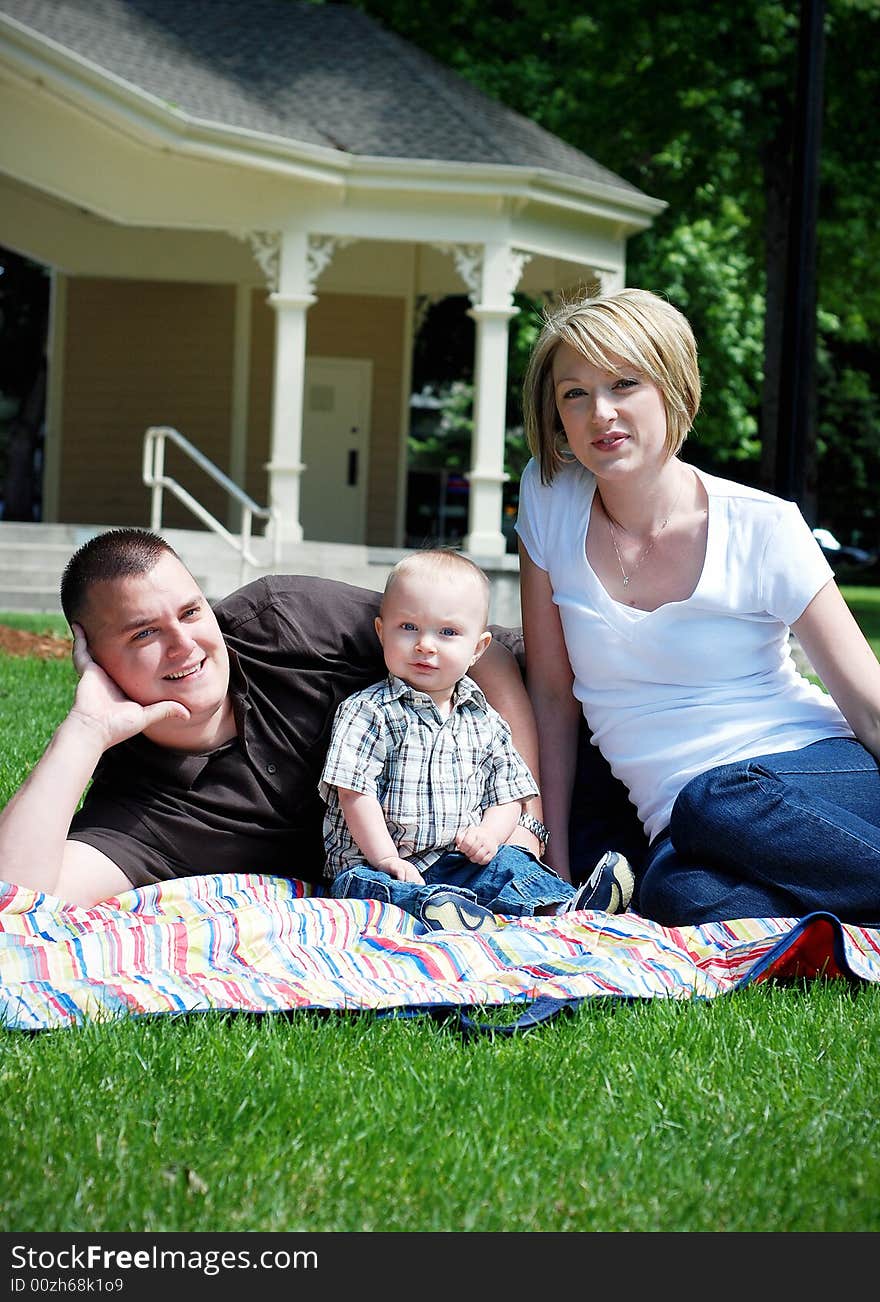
615 421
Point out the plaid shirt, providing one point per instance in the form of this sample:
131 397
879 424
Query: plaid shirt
430 775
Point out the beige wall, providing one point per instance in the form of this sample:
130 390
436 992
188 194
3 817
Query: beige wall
141 353
372 327
259 417
339 325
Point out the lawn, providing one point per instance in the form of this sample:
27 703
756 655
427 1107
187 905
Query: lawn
752 1112
865 605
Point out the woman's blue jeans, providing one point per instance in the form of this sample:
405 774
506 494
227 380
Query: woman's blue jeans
777 836
514 882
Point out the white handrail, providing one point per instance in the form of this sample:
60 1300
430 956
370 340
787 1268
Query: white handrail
154 478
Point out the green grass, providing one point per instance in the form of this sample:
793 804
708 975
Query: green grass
34 696
755 1111
36 622
865 605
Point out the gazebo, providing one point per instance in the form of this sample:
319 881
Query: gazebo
245 209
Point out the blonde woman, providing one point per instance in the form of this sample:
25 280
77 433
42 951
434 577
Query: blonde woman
657 601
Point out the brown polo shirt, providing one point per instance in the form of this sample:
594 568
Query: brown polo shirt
297 647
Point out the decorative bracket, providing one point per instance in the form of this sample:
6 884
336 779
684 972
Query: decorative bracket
469 265
468 260
319 254
266 248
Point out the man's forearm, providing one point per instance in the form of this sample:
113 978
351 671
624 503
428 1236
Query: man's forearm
559 721
498 676
35 823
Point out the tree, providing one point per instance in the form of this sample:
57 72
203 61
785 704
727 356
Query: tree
694 103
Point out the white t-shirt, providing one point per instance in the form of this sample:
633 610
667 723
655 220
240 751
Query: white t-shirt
672 692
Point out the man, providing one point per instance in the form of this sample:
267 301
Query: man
205 729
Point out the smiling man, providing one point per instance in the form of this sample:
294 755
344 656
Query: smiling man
204 729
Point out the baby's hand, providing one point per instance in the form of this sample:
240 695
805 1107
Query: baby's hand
402 870
473 842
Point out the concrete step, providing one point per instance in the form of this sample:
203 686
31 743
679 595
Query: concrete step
66 535
36 600
33 556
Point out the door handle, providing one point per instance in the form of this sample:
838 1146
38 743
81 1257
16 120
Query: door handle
352 467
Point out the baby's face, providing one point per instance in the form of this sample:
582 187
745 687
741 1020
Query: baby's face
432 630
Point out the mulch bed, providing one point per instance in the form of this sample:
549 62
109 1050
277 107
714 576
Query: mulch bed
19 642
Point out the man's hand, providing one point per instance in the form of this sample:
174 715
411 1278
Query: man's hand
100 705
473 842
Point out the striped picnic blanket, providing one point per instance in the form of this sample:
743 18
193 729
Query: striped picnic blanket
267 944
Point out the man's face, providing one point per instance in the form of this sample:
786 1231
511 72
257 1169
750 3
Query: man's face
159 640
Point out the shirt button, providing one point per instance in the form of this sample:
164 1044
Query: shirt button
271 768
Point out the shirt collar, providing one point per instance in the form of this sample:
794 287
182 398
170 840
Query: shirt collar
466 692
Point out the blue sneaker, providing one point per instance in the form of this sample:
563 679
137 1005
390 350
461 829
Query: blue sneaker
609 886
450 911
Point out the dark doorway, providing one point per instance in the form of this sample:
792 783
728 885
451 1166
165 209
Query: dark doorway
24 317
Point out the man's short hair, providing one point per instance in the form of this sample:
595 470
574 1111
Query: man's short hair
116 554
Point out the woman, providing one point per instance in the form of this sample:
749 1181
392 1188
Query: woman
658 600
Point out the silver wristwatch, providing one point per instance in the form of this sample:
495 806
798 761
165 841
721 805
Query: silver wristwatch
534 825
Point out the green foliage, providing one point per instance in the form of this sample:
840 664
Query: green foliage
443 368
703 267
694 104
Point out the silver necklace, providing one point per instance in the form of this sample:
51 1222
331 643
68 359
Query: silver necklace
652 542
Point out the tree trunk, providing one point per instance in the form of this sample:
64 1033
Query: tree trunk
796 453
775 161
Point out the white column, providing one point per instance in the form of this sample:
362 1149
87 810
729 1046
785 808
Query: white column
611 281
486 475
291 302
291 261
241 353
285 465
499 275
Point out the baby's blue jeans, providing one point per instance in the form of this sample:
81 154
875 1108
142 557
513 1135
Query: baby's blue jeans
514 882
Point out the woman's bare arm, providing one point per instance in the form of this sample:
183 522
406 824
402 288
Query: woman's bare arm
842 658
556 710
498 675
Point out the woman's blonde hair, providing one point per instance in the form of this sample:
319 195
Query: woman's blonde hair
633 326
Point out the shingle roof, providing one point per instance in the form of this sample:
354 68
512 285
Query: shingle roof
325 75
